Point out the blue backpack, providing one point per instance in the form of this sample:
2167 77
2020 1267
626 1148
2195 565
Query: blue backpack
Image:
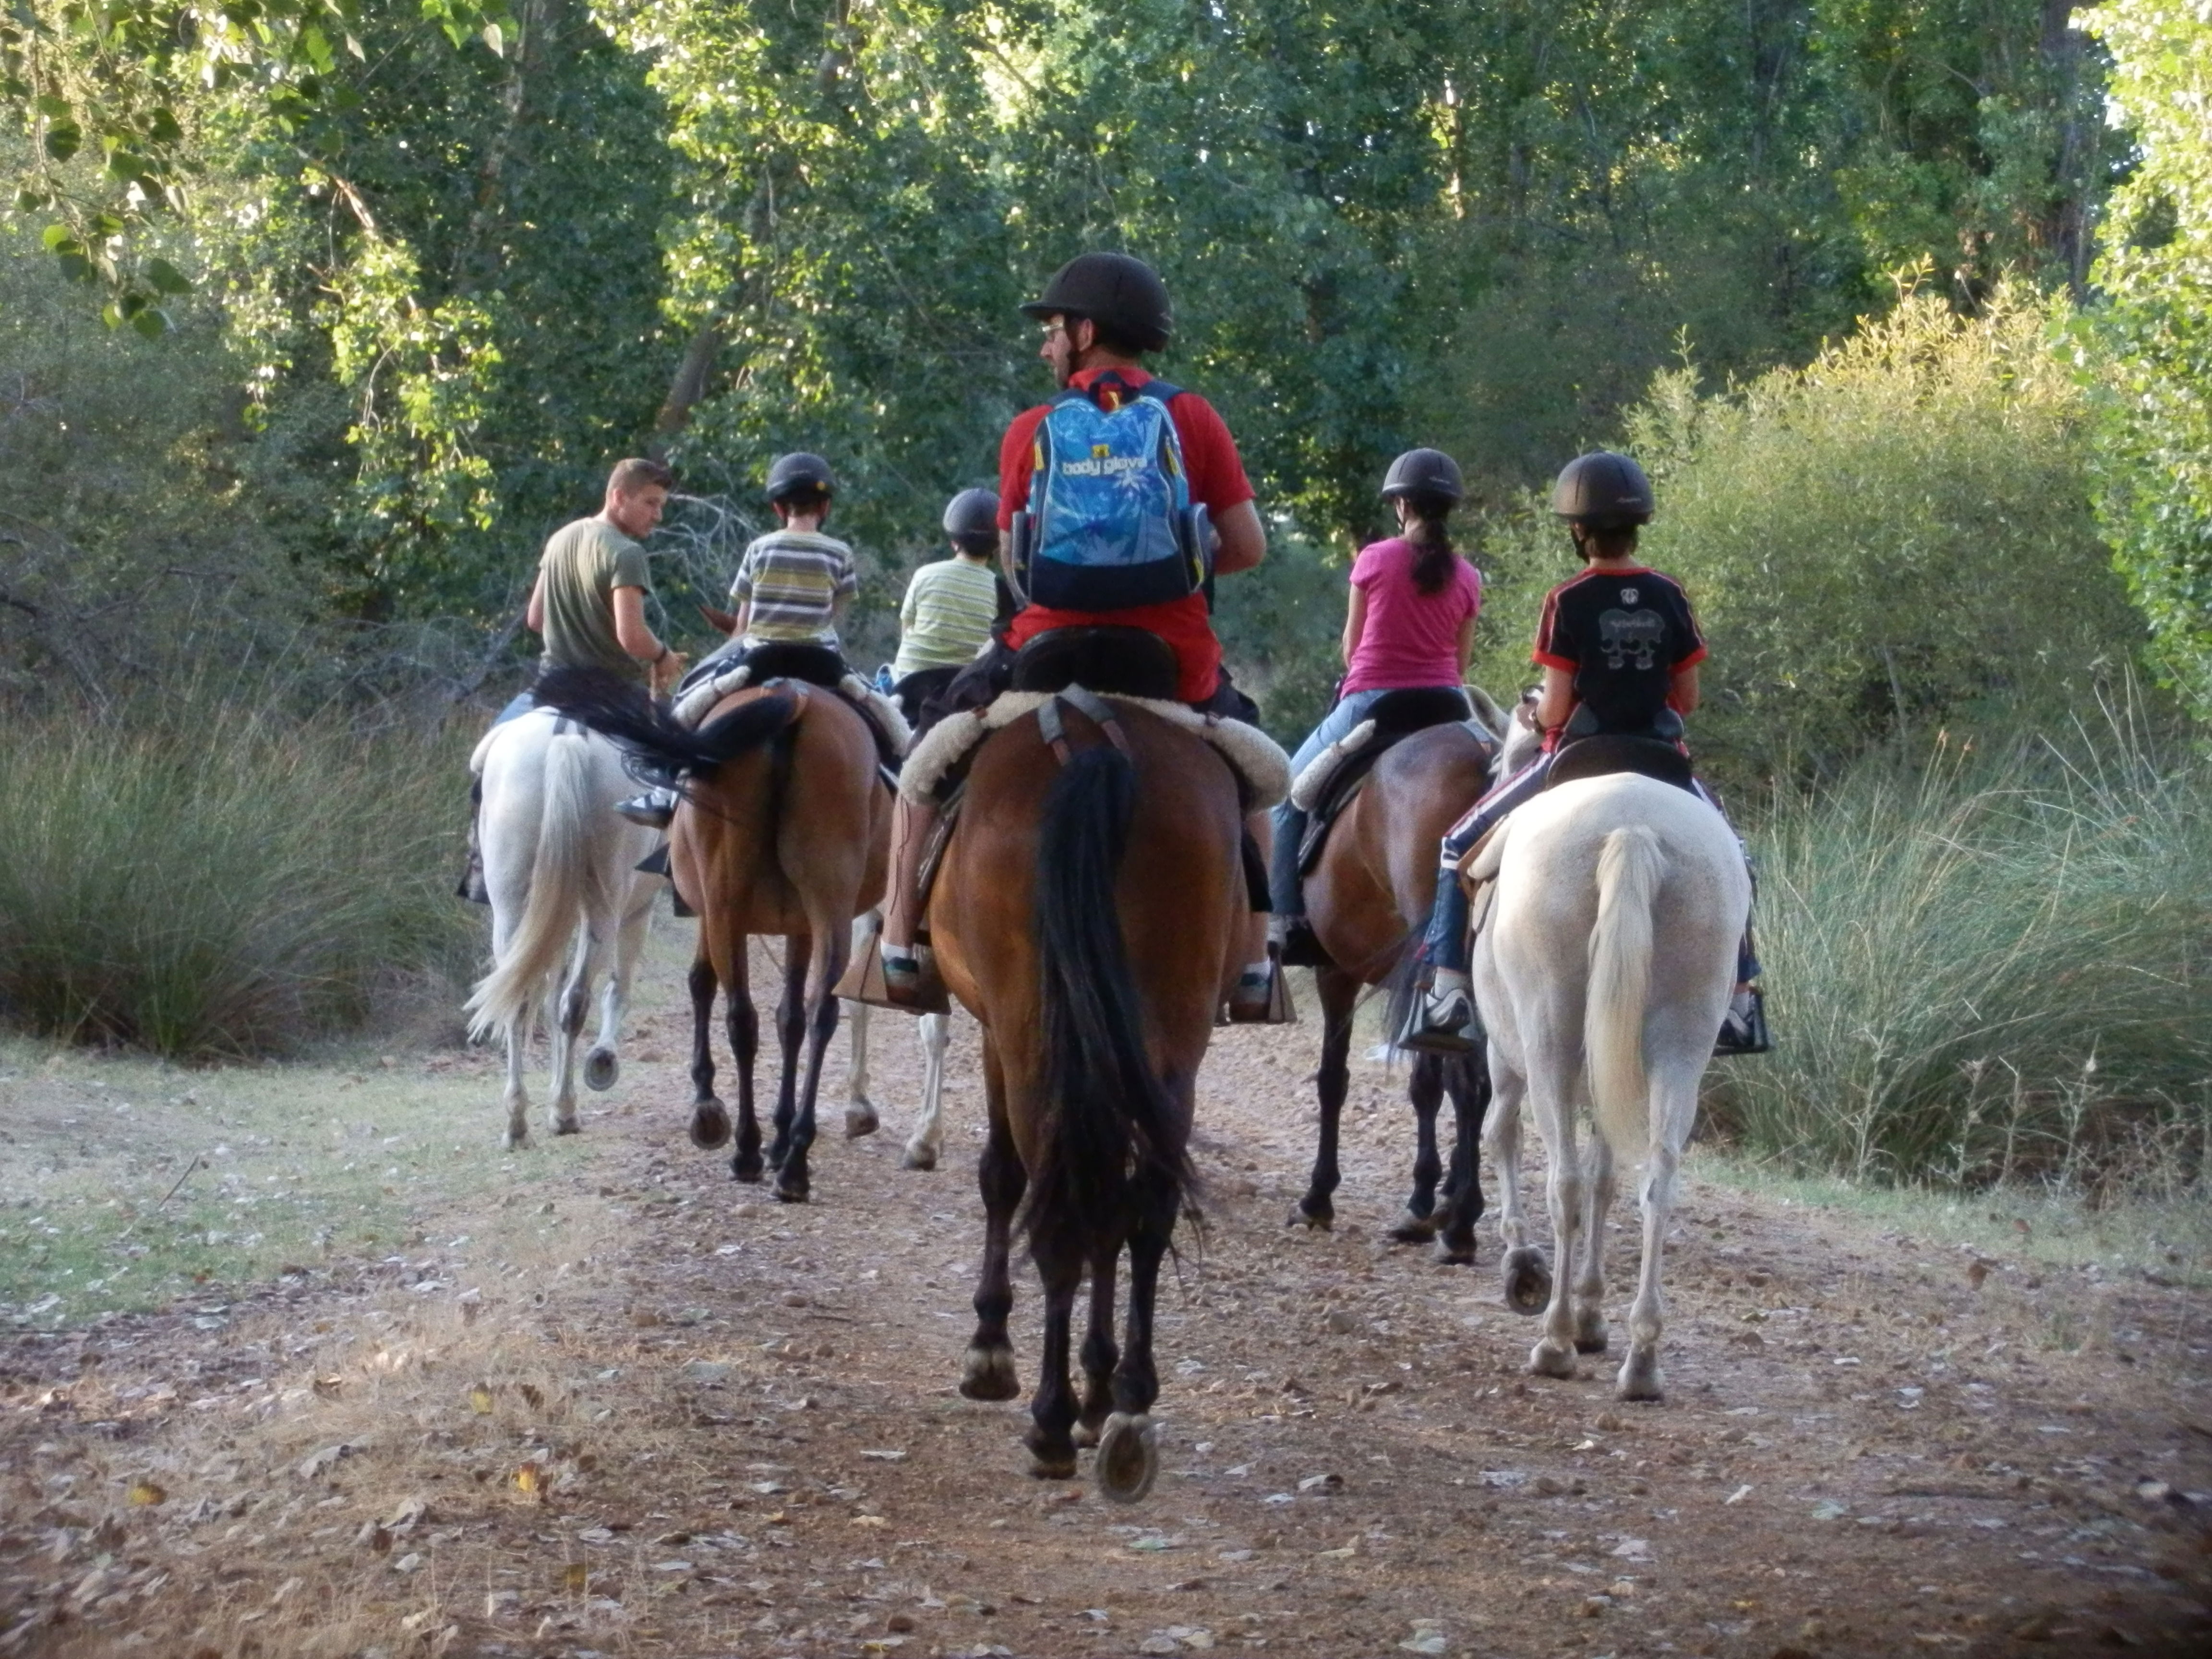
1110 522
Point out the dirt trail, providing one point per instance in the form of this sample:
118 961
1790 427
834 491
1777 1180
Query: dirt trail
670 1417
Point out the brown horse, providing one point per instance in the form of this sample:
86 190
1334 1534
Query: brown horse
1368 891
785 829
1088 914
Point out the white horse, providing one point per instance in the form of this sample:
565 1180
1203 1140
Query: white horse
1601 973
561 867
927 1140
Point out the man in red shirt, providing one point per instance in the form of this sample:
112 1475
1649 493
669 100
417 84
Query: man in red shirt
1101 313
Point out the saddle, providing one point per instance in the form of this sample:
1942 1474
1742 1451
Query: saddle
717 676
1124 662
1334 777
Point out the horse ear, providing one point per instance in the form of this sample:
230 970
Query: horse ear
723 621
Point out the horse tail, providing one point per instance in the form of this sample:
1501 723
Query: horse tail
1629 868
620 709
1113 1119
565 882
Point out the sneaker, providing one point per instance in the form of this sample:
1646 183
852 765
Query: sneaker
911 981
1443 1019
1743 1028
1261 997
653 809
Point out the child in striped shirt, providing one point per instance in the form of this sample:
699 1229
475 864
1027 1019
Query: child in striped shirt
794 582
951 607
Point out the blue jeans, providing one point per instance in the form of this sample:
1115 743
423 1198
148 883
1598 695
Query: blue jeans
1285 898
522 705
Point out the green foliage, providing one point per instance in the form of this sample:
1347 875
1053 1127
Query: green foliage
2151 345
203 879
1885 539
1987 961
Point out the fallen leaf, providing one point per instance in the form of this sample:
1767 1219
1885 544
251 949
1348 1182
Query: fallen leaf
529 1479
144 1492
574 1576
1976 1273
533 1394
480 1400
326 1387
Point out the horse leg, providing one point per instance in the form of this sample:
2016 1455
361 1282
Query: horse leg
601 1067
1052 1412
790 1034
1675 1100
928 1139
1100 1352
1424 1088
1467 1079
1338 991
1589 1265
710 1121
516 1097
1128 1449
573 1006
860 1118
744 1046
1554 1352
821 1009
1528 1276
989 1371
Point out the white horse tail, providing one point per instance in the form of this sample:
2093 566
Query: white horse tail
1629 867
563 882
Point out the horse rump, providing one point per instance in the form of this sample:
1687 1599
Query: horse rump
1113 1134
625 712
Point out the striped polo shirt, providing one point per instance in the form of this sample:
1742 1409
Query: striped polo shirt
946 616
792 577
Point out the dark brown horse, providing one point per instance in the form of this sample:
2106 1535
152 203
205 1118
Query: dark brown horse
1368 890
1088 915
785 829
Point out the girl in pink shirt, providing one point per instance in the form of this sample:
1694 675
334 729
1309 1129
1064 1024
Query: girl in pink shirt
1409 625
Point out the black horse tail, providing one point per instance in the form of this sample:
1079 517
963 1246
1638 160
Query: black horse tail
1113 1138
1401 988
622 710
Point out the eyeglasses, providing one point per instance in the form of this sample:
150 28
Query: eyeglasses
1051 329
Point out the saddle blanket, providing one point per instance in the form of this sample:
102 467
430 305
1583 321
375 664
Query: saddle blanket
1262 770
879 710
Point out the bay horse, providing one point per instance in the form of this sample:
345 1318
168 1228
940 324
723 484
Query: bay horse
560 868
1368 893
1603 971
1088 913
784 828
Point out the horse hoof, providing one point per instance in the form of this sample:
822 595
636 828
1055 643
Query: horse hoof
860 1121
1547 1360
1449 1255
515 1140
919 1157
1414 1229
790 1192
1052 1465
1528 1281
710 1125
1085 1435
747 1169
601 1068
1591 1339
989 1375
567 1126
1319 1220
1128 1458
1639 1378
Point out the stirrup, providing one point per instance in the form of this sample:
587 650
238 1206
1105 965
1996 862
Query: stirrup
1744 1031
653 809
871 979
1441 1022
1261 1002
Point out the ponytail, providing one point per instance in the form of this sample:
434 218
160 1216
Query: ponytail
1430 541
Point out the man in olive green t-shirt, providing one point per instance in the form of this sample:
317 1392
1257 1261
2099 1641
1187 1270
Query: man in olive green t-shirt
589 604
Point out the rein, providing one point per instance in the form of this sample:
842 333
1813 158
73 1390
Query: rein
1053 728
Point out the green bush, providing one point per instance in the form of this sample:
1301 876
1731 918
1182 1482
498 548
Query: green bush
1985 964
1897 535
220 881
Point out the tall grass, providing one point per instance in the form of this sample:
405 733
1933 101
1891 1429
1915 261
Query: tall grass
219 878
1988 962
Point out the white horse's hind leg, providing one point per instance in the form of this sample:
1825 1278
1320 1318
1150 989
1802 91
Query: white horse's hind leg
1589 1265
860 1117
572 1004
928 1139
515 1097
1554 1355
601 1066
1675 1100
1527 1277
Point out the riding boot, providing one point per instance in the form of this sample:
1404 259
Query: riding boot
471 886
1442 1018
653 809
1261 996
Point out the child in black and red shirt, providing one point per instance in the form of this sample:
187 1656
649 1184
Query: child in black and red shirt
1619 648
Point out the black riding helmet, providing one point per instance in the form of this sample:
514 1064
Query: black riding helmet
1123 296
1604 490
971 520
799 473
1429 473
